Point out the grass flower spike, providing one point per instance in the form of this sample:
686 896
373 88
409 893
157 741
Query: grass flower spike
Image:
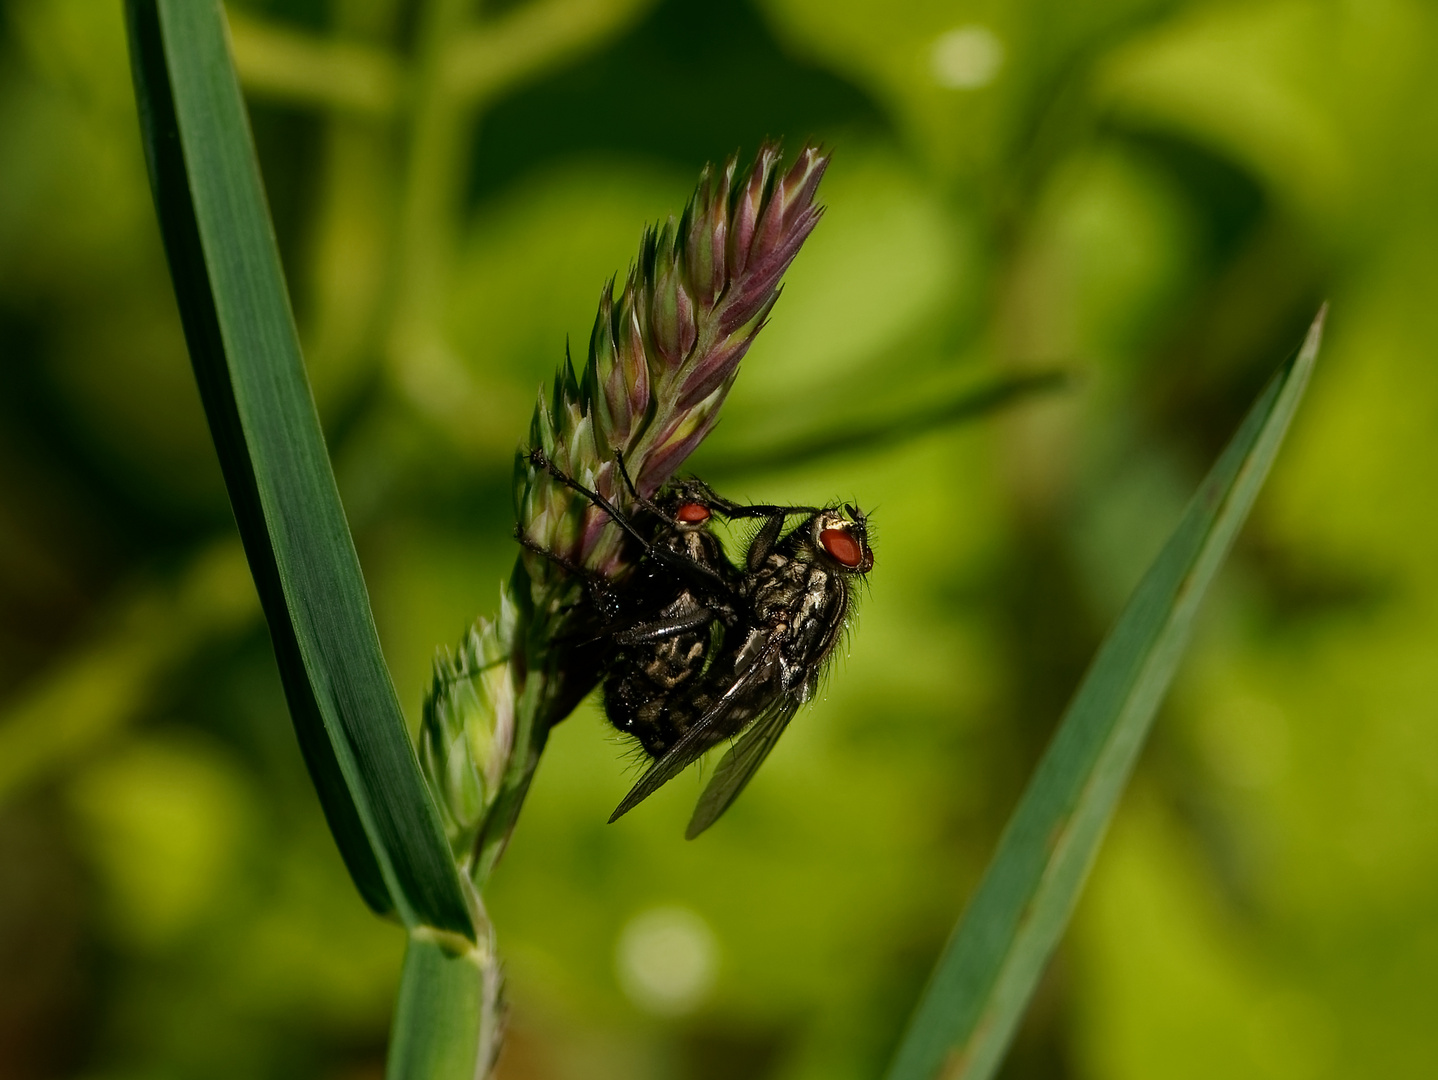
664 353
662 357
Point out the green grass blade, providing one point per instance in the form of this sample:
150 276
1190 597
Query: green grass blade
246 356
989 968
447 1018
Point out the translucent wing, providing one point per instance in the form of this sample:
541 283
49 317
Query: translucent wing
702 735
740 763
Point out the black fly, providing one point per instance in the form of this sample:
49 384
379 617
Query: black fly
702 651
672 618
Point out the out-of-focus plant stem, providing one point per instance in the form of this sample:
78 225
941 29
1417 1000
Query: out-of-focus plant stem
529 40
427 222
436 98
289 65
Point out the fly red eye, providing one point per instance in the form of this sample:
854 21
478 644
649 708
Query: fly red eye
692 513
841 544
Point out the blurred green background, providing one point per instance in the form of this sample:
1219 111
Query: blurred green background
1153 194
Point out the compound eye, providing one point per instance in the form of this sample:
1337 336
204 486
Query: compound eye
842 546
692 513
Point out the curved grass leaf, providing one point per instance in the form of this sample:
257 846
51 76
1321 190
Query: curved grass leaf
988 970
869 433
246 356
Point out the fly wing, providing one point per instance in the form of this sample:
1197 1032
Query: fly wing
701 736
741 762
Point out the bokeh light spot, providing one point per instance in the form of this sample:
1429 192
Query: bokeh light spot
966 58
666 960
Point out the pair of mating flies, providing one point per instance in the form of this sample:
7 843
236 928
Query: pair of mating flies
698 650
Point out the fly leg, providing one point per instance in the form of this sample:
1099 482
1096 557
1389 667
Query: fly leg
710 498
540 459
596 586
673 559
668 627
634 491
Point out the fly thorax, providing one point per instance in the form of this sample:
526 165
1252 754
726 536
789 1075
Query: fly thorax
776 599
793 678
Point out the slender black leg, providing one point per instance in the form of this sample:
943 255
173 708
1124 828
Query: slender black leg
710 498
640 499
660 629
738 510
731 509
539 458
553 556
673 559
596 586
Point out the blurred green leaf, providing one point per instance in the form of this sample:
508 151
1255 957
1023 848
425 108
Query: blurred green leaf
1264 110
983 981
878 432
240 331
279 62
78 705
166 822
528 39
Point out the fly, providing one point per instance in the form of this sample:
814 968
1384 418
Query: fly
701 651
